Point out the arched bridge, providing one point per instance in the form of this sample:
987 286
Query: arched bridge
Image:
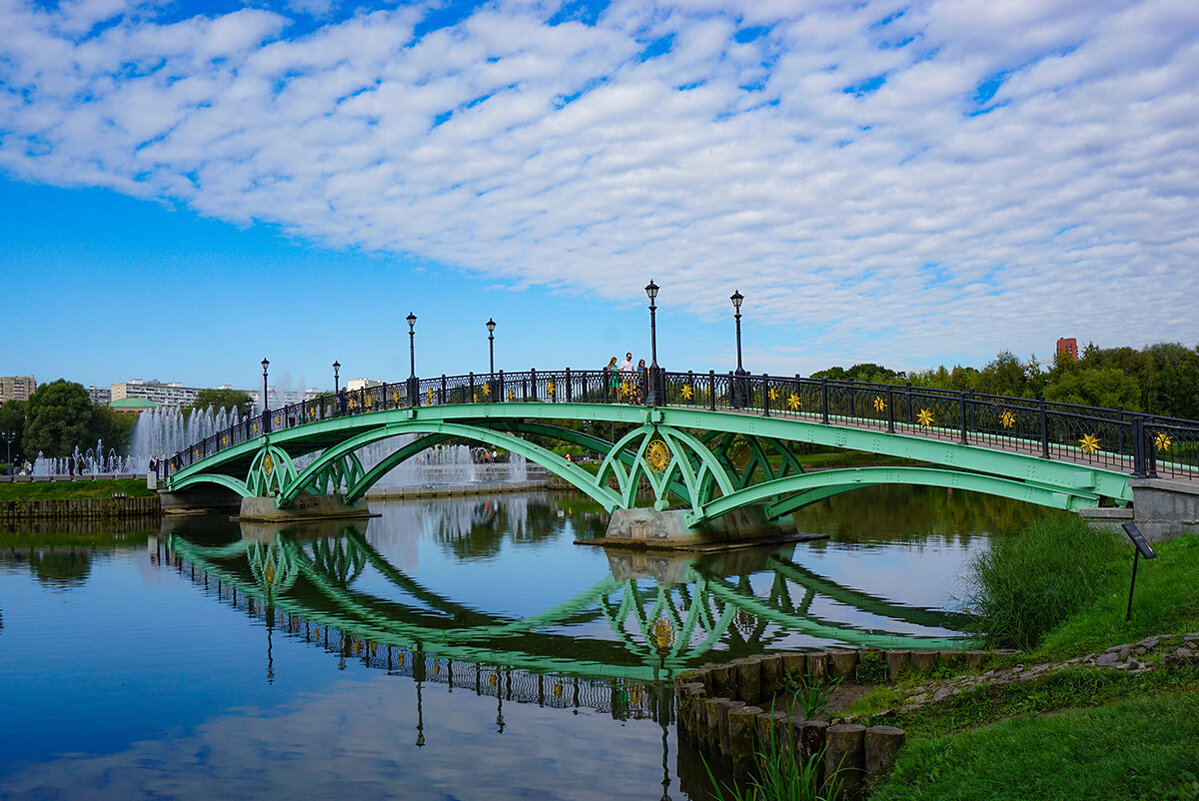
706 443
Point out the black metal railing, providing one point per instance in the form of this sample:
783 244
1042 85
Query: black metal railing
1131 442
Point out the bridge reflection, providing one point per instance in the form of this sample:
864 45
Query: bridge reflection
605 648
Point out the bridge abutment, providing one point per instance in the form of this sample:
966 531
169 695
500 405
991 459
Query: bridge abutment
1162 509
649 528
304 507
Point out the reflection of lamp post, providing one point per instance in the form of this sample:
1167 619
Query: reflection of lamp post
9 436
336 381
413 400
266 418
652 396
738 388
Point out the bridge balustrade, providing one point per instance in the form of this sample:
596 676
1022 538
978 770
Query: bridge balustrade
1142 445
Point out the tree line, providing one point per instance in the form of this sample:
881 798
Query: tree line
1161 379
59 416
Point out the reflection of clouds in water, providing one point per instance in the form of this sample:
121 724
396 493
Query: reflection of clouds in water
923 573
356 741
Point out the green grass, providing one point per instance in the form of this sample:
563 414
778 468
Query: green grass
1166 599
53 490
1131 749
1021 587
1083 732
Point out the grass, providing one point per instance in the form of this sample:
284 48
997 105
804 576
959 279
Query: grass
54 490
1133 748
1083 732
1021 587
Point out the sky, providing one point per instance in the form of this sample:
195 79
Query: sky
188 187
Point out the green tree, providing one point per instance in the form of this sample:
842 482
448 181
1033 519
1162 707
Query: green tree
58 416
1095 386
221 399
12 419
114 429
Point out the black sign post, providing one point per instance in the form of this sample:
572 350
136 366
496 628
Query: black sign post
1142 547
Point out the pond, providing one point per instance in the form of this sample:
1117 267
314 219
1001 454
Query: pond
451 648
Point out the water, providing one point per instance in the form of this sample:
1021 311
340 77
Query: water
456 648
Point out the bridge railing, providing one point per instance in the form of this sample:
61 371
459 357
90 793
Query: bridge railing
1143 445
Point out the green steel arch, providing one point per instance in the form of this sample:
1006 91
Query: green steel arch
709 462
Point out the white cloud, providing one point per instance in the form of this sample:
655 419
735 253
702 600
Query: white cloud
834 165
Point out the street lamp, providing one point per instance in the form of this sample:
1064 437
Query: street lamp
737 297
413 400
336 383
266 418
491 344
8 436
411 344
738 387
652 396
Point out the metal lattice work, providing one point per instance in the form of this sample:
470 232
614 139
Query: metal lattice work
683 450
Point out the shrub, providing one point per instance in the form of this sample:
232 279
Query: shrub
1021 587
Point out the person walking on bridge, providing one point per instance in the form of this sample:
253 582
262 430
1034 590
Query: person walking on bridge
612 378
628 375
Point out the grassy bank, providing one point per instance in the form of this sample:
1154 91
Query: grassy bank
54 490
1084 732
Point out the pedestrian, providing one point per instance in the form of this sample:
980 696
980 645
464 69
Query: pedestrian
611 378
341 400
642 383
70 466
627 375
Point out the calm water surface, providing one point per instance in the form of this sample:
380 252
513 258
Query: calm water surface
450 649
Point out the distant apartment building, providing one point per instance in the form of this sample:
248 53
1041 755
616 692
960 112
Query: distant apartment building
99 396
172 394
1068 346
16 387
355 384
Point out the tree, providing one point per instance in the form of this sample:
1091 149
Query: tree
58 417
12 419
114 429
1093 386
222 399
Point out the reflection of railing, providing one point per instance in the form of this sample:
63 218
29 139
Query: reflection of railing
655 630
623 698
1140 444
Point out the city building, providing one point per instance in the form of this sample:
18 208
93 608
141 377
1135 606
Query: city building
99 396
1069 347
355 384
16 387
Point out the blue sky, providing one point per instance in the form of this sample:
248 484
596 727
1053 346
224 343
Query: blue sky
185 188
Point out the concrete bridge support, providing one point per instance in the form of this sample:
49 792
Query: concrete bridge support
1161 508
304 507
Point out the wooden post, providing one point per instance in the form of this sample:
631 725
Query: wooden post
897 661
842 663
882 744
749 679
743 737
845 757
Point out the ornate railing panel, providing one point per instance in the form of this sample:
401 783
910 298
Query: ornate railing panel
1138 444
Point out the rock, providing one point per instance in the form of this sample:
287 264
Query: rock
1108 659
942 693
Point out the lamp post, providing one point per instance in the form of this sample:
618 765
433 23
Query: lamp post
491 358
413 400
491 345
336 380
653 395
266 417
8 436
739 388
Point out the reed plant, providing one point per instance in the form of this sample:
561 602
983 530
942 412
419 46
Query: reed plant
783 775
1021 587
